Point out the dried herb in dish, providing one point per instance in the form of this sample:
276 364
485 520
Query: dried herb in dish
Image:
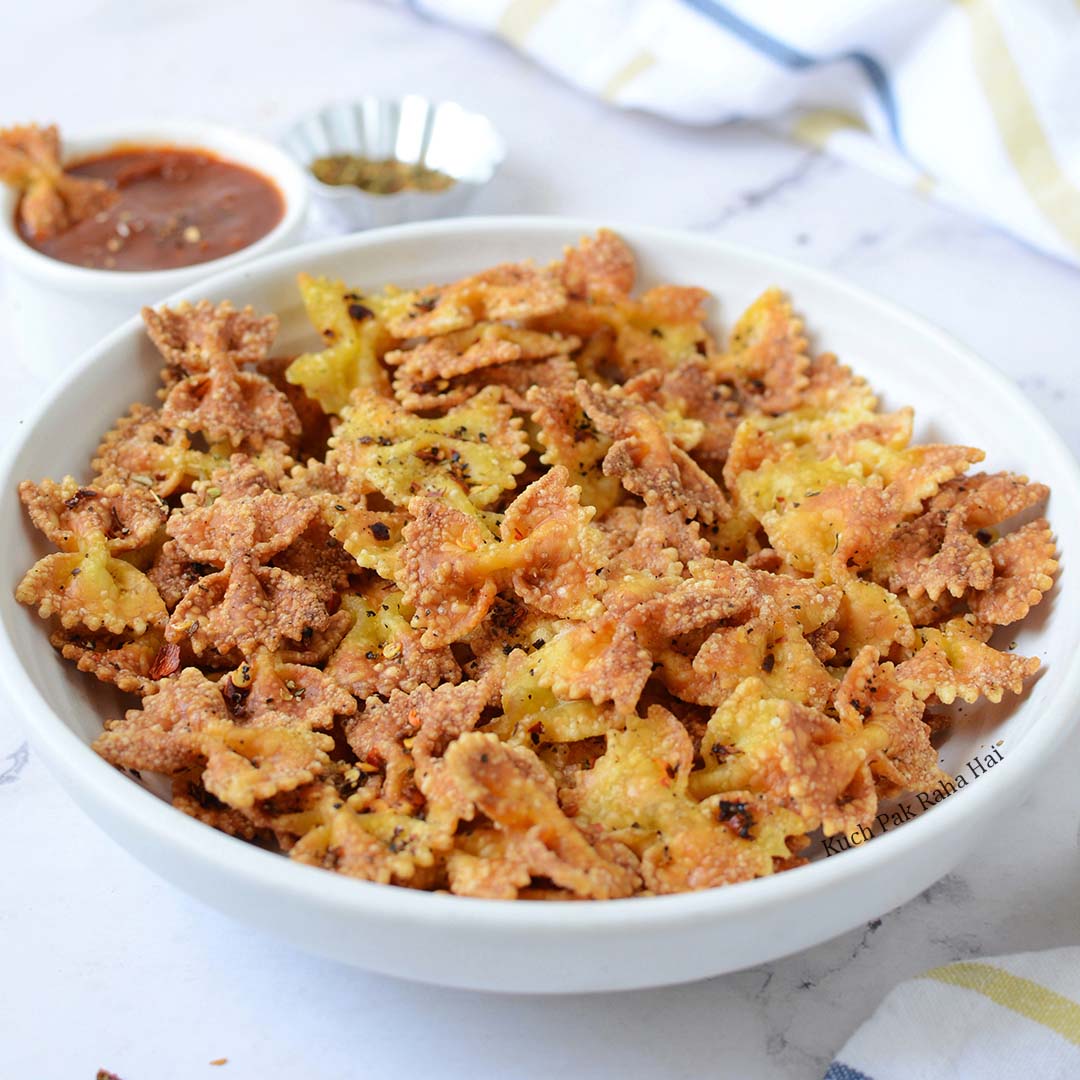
385 177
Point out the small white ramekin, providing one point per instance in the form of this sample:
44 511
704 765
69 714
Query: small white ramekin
441 135
58 310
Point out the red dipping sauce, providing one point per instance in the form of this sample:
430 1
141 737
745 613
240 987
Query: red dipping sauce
176 208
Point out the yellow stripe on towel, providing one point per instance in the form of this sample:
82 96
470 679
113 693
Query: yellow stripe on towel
816 126
520 16
626 74
1018 124
1030 999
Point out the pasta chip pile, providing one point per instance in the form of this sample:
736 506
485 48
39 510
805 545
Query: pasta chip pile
527 587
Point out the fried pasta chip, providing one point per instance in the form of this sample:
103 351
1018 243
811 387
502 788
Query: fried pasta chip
639 791
1024 566
571 440
355 338
189 336
651 541
767 640
256 526
143 450
518 797
451 566
67 513
91 588
564 602
51 200
132 664
533 714
871 696
372 537
955 661
509 292
600 268
644 457
469 456
797 755
403 734
382 652
268 692
481 346
514 375
693 391
942 550
768 355
186 725
246 606
226 405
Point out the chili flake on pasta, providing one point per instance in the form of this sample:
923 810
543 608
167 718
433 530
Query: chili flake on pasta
525 586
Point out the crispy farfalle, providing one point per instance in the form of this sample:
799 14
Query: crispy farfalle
468 457
51 200
189 336
354 338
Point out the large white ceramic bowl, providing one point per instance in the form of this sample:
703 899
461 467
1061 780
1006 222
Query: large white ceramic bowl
560 947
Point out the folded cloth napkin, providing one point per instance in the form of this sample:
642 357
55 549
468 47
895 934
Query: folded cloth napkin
1010 1016
975 100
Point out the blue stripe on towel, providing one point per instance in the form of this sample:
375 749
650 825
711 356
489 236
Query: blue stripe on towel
793 58
839 1071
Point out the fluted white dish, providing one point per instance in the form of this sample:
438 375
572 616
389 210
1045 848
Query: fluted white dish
559 947
440 135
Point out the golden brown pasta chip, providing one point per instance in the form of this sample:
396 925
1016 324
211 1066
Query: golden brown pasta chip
1024 566
355 336
768 355
644 458
571 440
954 661
470 455
600 268
143 450
129 517
226 405
639 790
246 606
499 782
132 664
186 724
91 588
189 336
382 652
51 200
871 696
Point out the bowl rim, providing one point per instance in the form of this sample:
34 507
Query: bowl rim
243 148
343 191
84 771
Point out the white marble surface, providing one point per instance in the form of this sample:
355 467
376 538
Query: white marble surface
104 965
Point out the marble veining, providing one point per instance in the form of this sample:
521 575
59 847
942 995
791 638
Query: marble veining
93 940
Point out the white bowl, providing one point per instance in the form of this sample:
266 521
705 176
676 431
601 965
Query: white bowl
443 136
560 947
59 310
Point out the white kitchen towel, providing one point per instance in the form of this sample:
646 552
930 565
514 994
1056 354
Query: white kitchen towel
1014 1017
977 101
